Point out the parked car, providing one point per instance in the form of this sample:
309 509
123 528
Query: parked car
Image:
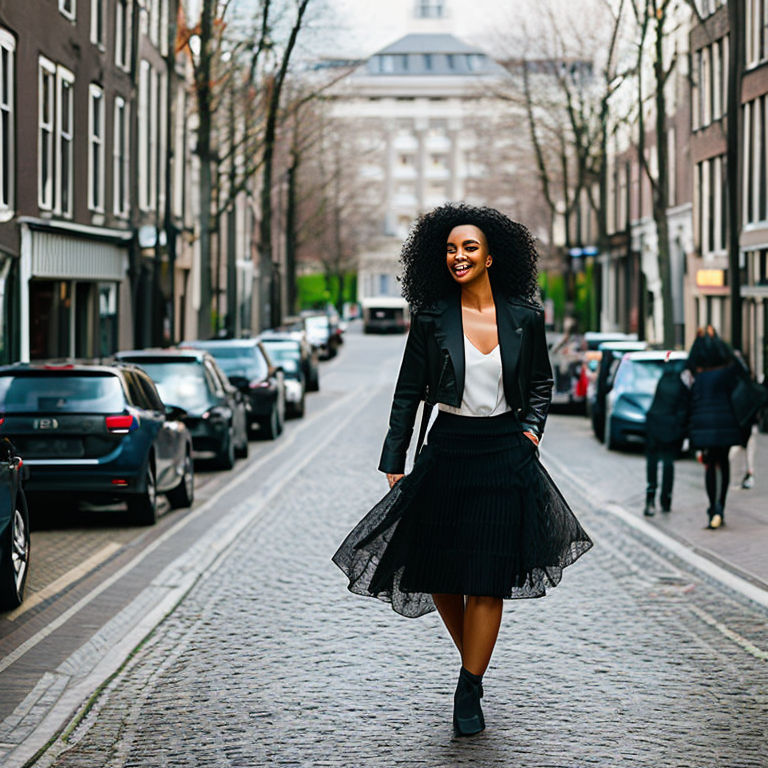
322 334
287 353
250 369
610 354
566 355
215 411
98 432
14 529
310 364
630 398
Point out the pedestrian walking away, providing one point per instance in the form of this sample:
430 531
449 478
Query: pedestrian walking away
714 427
478 519
665 428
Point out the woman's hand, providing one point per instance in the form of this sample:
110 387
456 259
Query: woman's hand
532 438
393 478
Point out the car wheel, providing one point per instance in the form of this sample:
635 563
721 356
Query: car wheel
608 439
298 408
598 427
225 458
270 427
142 507
15 556
313 381
242 450
183 494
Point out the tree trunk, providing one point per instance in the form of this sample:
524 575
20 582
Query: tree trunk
735 69
661 189
204 112
291 235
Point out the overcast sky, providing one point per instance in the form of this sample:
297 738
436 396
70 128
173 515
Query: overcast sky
358 28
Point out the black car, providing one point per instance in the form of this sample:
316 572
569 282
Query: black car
14 529
216 412
250 369
286 352
310 362
99 432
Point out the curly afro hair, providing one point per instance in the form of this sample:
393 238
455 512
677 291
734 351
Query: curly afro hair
426 278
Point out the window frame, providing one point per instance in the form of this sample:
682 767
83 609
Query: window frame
7 207
123 33
121 158
98 9
64 75
71 15
45 186
96 91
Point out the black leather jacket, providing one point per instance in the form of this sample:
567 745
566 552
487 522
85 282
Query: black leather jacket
433 369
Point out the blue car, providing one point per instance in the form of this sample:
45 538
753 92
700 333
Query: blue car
14 529
99 432
634 385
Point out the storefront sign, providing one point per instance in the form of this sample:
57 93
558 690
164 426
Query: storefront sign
710 278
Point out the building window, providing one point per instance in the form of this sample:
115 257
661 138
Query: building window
147 120
97 22
755 200
164 27
68 8
46 104
65 89
7 80
120 158
153 9
123 34
428 61
96 148
756 32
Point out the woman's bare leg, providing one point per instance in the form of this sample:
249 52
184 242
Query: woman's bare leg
451 610
482 618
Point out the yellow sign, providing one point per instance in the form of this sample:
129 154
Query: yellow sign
710 278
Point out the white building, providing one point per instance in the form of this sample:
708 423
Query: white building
421 110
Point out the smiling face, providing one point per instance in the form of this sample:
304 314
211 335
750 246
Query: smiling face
467 254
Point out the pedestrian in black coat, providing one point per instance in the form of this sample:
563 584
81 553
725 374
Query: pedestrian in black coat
665 428
713 427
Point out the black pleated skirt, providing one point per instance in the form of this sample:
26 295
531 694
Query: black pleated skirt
477 515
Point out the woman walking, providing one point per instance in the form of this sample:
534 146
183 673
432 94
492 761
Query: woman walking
713 425
478 519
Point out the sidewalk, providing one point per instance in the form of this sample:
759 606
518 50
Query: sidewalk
740 546
742 543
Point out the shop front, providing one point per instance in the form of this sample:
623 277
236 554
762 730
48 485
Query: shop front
73 290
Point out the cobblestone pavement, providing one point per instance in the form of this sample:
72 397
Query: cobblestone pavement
632 661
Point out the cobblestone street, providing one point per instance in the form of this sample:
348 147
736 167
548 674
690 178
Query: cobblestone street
633 660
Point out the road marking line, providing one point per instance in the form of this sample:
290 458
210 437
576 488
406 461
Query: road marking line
699 562
246 474
748 646
71 576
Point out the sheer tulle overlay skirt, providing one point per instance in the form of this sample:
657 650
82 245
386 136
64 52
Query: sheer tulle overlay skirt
477 515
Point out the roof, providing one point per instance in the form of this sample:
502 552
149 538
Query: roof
656 354
429 43
135 354
214 343
62 366
427 55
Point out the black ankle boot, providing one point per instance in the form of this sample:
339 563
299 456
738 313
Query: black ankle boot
650 505
467 715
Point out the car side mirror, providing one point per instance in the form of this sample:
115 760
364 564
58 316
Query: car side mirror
175 413
241 383
276 369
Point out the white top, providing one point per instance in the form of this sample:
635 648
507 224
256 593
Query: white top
483 385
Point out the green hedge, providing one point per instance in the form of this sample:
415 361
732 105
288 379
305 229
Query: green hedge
315 290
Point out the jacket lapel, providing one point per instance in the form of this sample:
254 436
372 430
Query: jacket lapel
510 341
449 332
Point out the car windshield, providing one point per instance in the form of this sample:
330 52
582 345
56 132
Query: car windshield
639 376
180 382
240 361
61 393
317 323
285 353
